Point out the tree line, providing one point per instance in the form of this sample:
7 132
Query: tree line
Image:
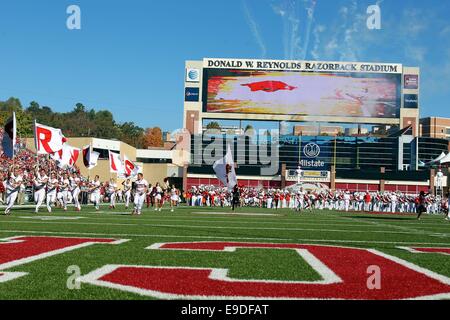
80 122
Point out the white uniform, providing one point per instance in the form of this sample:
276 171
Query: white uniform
127 192
51 193
64 189
173 195
139 196
39 190
12 191
158 197
95 194
394 200
75 189
112 194
346 201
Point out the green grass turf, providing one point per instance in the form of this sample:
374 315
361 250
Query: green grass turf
47 278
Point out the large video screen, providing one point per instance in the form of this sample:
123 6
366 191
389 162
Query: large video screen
375 95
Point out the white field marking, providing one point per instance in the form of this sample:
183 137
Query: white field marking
8 276
416 231
221 275
237 213
94 276
345 224
303 240
327 275
412 250
273 222
49 218
19 262
412 266
213 227
315 217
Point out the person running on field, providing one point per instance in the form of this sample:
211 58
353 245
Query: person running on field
173 198
39 181
141 186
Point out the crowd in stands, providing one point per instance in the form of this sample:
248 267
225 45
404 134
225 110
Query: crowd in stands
301 199
26 161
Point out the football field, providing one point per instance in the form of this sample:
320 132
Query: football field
212 253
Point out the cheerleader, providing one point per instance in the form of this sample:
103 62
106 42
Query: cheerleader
39 181
74 183
12 189
158 197
94 190
112 188
64 189
173 198
52 185
141 186
127 192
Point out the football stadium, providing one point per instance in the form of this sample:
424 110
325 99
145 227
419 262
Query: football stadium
294 234
285 179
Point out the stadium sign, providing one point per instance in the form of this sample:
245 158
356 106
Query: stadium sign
309 176
191 94
192 75
312 66
411 81
311 150
317 164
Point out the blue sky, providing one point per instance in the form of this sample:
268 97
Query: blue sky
129 56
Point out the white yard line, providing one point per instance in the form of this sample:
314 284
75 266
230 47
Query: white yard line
293 240
338 222
416 231
183 226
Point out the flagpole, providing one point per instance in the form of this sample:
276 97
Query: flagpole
89 165
14 139
36 143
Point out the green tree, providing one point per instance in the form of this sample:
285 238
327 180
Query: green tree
213 125
79 122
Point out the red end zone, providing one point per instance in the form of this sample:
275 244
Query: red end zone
445 251
345 273
24 249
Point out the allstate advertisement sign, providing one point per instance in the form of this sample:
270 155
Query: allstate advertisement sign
311 157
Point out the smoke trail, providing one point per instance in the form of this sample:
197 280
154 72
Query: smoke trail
254 29
316 34
310 19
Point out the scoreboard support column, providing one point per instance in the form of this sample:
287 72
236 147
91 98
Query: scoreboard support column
283 175
333 178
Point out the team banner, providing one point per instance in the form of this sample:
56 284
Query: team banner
9 137
129 167
312 66
224 169
48 140
67 156
90 158
115 163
